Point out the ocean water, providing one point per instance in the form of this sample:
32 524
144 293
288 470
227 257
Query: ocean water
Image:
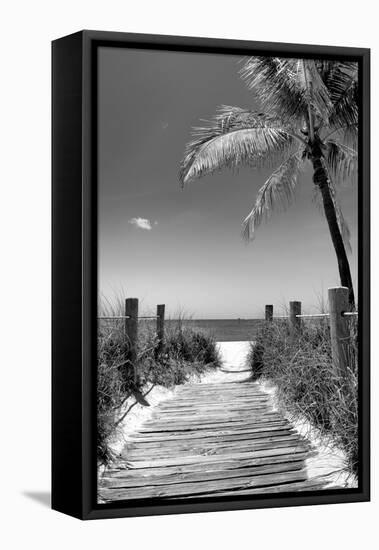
223 330
226 330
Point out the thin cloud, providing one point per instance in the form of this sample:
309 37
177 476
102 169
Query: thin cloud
142 223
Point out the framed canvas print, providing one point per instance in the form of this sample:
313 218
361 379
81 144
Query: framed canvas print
210 275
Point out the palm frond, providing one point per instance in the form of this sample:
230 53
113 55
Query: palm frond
273 83
342 161
285 88
277 191
234 137
341 79
312 87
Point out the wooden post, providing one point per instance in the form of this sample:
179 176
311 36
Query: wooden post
269 312
339 329
160 326
131 333
295 322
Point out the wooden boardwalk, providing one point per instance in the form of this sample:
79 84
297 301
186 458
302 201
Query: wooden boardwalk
212 439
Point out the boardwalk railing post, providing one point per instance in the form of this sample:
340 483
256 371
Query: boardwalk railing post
269 312
295 322
160 326
339 328
131 333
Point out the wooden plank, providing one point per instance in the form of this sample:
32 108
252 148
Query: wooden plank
250 416
217 399
138 480
230 435
217 426
201 434
212 424
218 395
211 450
307 485
248 423
219 407
223 466
203 414
181 447
201 419
202 487
220 400
234 384
206 419
209 409
181 460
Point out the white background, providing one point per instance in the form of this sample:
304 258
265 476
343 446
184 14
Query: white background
27 29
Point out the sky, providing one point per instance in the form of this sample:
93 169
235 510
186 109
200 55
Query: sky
183 247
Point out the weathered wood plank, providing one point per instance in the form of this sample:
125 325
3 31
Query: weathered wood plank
190 428
217 414
210 450
180 446
209 399
307 485
212 466
216 399
232 414
218 395
139 480
236 406
203 387
210 437
251 416
202 487
205 459
186 429
202 434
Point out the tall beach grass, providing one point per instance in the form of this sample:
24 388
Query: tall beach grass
301 368
187 352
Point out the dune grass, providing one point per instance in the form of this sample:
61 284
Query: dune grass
187 352
307 384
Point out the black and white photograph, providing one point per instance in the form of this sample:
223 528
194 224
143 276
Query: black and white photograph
228 275
188 239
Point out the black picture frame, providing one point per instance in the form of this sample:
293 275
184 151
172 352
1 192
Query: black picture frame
74 273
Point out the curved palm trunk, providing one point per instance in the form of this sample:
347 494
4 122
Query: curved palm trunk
320 178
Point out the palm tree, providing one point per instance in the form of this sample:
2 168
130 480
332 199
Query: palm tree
309 114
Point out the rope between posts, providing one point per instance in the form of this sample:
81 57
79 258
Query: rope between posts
302 316
128 317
